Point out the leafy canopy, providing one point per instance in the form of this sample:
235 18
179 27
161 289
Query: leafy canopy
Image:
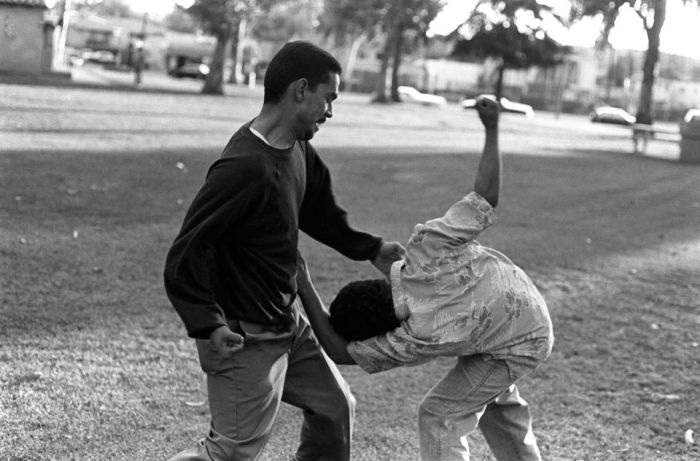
512 31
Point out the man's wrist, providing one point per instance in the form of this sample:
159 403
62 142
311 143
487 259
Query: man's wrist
378 250
215 330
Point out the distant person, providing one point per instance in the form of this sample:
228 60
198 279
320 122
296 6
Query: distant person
139 63
231 271
450 296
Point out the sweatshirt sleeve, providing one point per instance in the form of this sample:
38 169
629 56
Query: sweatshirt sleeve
323 220
225 197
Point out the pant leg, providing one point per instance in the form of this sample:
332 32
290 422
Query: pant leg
314 384
507 427
244 395
452 408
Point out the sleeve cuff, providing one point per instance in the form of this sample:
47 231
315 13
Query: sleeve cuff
483 207
361 359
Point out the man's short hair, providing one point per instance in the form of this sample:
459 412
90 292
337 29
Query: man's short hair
297 60
363 309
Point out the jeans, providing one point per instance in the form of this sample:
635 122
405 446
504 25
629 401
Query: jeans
245 394
478 391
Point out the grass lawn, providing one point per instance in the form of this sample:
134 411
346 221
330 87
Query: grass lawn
95 364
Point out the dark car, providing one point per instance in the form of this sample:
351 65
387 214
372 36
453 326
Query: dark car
191 70
614 115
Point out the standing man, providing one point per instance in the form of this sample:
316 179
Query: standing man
231 271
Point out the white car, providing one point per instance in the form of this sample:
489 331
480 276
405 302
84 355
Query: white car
506 105
99 57
691 115
410 94
614 115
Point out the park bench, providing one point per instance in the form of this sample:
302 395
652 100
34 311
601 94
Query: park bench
642 133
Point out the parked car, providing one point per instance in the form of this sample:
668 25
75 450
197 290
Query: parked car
614 115
506 106
99 57
691 115
191 70
410 94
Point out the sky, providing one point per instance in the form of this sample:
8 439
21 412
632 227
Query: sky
680 35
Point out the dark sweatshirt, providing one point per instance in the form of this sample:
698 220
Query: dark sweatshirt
235 256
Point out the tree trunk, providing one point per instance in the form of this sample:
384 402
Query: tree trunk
214 84
396 60
352 59
391 19
383 69
651 59
235 56
60 56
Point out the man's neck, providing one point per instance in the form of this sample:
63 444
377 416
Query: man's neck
275 126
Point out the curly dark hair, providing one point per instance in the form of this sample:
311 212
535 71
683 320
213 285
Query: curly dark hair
363 309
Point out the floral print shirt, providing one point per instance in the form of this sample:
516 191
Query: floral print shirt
458 297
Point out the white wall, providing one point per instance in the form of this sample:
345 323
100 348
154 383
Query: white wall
21 39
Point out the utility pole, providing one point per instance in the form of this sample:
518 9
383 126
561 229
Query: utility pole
60 56
140 50
240 42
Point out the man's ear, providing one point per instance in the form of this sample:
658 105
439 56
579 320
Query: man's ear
301 88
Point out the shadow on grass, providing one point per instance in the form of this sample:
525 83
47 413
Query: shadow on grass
49 81
125 131
652 155
125 112
88 232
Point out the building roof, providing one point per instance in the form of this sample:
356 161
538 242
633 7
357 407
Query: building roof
24 3
88 21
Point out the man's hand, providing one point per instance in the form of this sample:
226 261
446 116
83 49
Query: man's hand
388 253
488 110
225 341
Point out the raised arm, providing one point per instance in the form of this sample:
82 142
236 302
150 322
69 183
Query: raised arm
335 345
488 176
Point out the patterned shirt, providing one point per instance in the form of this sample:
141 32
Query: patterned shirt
458 298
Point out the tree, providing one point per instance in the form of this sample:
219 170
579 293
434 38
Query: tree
402 23
287 20
392 26
119 8
180 20
652 13
220 18
351 23
512 33
284 20
405 22
411 32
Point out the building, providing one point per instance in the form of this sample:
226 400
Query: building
26 39
118 36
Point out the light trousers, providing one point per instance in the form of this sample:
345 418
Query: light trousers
477 392
245 394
